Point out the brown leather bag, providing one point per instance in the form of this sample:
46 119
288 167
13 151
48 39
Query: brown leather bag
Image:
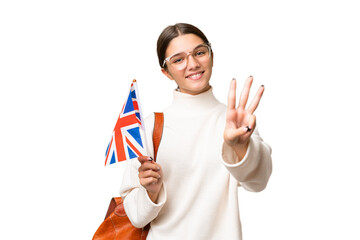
117 225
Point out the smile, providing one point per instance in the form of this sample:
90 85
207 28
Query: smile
195 76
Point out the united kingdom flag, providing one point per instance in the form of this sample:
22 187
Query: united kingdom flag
126 141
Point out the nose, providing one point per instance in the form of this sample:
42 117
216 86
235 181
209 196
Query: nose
192 62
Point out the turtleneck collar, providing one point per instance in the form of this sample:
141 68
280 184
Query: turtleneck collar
184 102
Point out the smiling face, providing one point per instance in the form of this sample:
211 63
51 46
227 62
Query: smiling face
195 76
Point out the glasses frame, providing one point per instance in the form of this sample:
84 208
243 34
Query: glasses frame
208 45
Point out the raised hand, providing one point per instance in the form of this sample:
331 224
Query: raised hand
240 122
150 176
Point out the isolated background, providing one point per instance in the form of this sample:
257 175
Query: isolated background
66 67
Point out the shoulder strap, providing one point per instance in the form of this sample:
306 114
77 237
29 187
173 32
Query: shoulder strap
157 134
158 130
113 203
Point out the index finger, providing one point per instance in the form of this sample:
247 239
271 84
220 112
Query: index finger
143 159
255 103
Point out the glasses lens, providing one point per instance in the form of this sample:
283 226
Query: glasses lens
178 59
200 53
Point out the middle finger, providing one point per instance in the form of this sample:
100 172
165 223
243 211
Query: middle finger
245 93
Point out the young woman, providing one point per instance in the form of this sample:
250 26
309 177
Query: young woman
207 150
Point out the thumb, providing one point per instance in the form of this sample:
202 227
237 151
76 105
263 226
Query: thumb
143 159
252 124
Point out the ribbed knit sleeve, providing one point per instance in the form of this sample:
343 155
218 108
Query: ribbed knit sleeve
254 170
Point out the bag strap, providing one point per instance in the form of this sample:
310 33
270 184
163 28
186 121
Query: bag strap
158 130
113 203
157 134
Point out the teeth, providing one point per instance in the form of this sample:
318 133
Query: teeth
195 76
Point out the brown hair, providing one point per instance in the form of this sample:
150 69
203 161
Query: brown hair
173 31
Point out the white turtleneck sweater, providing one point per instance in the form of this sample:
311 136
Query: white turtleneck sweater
199 197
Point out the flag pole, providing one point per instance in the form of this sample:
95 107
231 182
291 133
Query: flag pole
142 118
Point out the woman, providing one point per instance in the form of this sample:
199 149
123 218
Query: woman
191 191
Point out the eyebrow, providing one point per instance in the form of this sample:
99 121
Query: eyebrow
176 54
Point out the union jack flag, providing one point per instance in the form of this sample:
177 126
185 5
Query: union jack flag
126 141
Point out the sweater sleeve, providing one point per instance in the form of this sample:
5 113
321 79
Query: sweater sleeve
254 170
137 204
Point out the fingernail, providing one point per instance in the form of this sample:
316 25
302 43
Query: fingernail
234 79
263 86
250 76
248 129
150 158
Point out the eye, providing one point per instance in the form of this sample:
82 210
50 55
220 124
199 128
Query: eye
177 60
201 52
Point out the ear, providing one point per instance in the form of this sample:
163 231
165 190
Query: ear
166 73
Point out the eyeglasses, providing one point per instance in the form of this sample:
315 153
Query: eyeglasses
201 53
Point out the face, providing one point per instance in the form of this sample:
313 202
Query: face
195 76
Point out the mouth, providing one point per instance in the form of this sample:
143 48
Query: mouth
195 76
